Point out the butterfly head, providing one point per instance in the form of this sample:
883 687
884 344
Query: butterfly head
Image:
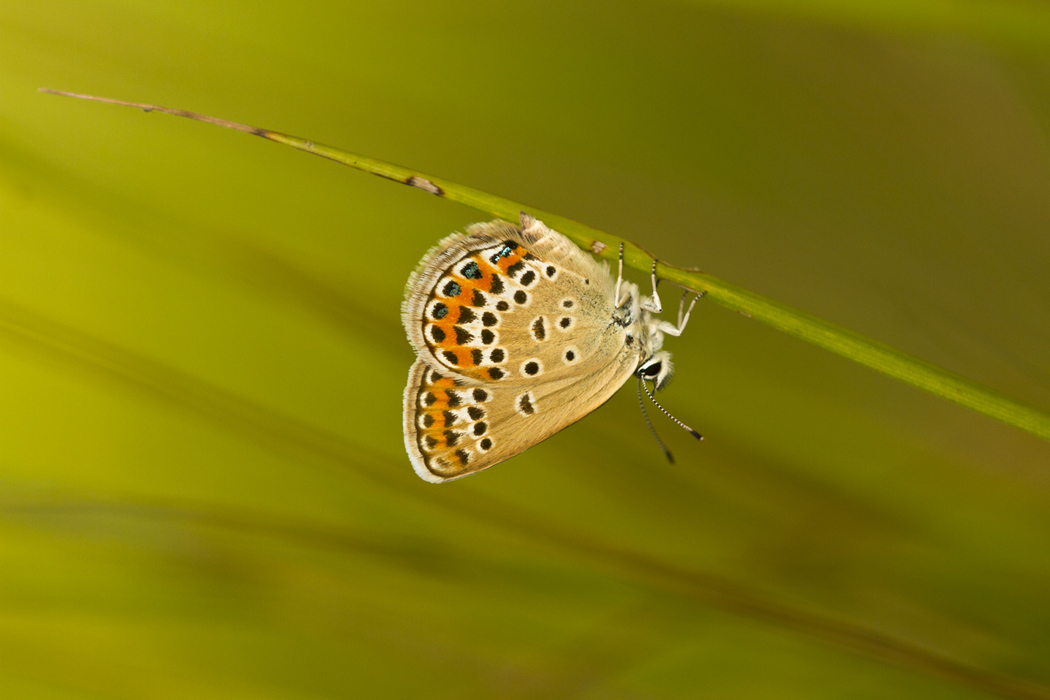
658 369
647 332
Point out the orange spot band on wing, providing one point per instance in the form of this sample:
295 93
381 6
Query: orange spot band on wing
449 339
457 356
466 293
486 265
460 313
464 357
509 260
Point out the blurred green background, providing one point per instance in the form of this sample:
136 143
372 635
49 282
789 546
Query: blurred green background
203 486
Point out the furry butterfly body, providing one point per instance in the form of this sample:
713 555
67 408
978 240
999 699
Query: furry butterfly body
518 334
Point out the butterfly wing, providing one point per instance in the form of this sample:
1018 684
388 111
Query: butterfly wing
453 430
493 304
513 329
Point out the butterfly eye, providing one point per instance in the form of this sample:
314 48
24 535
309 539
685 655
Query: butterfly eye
653 370
658 369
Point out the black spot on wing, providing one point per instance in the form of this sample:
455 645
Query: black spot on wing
539 329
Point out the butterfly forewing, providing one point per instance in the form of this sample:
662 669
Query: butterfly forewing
506 305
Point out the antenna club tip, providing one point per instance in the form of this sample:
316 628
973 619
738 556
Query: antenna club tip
697 435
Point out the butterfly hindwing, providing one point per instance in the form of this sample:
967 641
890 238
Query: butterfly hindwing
453 430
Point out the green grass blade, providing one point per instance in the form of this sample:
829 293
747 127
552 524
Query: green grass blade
841 341
870 353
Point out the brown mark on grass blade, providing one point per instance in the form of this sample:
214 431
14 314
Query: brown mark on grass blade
425 185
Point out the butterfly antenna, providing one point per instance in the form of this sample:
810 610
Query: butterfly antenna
670 457
652 398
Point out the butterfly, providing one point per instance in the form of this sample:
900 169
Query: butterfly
518 334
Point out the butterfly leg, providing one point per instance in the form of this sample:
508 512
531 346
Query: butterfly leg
683 318
653 303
